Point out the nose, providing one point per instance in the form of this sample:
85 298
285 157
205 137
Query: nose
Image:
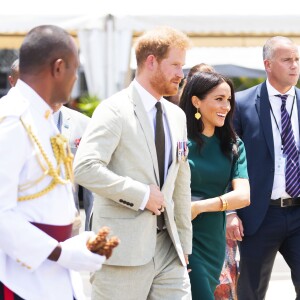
295 64
227 106
180 73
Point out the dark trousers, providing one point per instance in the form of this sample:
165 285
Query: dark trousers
280 231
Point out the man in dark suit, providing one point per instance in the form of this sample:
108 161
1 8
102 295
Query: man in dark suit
265 115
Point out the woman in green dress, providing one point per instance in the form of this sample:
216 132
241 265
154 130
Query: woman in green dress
217 159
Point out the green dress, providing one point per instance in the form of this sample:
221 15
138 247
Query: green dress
211 172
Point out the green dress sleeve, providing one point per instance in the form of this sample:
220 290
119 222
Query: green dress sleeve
239 168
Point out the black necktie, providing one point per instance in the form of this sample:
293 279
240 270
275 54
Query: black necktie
160 151
160 142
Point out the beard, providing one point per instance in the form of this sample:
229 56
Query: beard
162 85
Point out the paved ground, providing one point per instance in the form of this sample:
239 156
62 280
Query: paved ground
281 287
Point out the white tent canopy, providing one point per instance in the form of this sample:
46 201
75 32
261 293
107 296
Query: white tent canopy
105 29
230 61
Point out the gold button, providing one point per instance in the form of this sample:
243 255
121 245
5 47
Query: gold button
47 114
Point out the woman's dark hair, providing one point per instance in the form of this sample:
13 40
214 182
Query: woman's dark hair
200 85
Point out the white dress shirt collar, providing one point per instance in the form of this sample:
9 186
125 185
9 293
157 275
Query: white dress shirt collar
272 91
147 99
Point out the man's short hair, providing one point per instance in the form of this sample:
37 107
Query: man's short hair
157 42
42 46
271 43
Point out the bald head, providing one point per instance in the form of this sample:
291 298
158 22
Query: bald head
42 46
49 62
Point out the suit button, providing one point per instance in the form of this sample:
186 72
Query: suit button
131 204
121 200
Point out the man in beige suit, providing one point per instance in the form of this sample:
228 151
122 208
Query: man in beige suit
119 160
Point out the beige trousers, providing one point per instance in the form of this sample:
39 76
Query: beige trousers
163 278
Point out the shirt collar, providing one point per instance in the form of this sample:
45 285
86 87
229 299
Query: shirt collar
147 99
37 102
272 91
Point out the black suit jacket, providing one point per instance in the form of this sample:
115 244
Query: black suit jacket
252 121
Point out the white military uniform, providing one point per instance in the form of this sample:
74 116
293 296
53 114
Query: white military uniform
24 267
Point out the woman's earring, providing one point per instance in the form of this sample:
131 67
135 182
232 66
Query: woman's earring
197 114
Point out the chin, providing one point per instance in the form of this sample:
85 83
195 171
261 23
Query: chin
220 125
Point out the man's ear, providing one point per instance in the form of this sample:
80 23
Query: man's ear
267 64
11 81
150 62
57 67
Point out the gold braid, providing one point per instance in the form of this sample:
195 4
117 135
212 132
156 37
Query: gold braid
62 154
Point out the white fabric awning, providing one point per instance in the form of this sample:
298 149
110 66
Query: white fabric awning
105 30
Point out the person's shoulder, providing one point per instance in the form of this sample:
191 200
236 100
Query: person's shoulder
297 90
249 91
173 108
13 105
239 142
248 97
74 114
117 99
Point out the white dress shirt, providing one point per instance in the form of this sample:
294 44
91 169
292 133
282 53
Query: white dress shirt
149 104
278 190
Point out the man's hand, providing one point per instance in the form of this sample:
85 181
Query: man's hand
186 257
234 227
74 254
156 202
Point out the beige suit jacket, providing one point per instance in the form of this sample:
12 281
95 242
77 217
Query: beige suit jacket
116 160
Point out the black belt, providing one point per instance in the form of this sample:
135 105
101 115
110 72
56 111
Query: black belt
285 202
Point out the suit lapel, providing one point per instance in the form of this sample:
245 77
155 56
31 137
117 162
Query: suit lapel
146 127
172 123
263 110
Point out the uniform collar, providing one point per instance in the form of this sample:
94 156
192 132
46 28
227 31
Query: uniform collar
35 100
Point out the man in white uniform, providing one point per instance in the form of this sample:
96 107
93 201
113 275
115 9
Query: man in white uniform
38 259
72 125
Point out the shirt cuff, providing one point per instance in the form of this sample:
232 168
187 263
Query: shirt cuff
146 198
